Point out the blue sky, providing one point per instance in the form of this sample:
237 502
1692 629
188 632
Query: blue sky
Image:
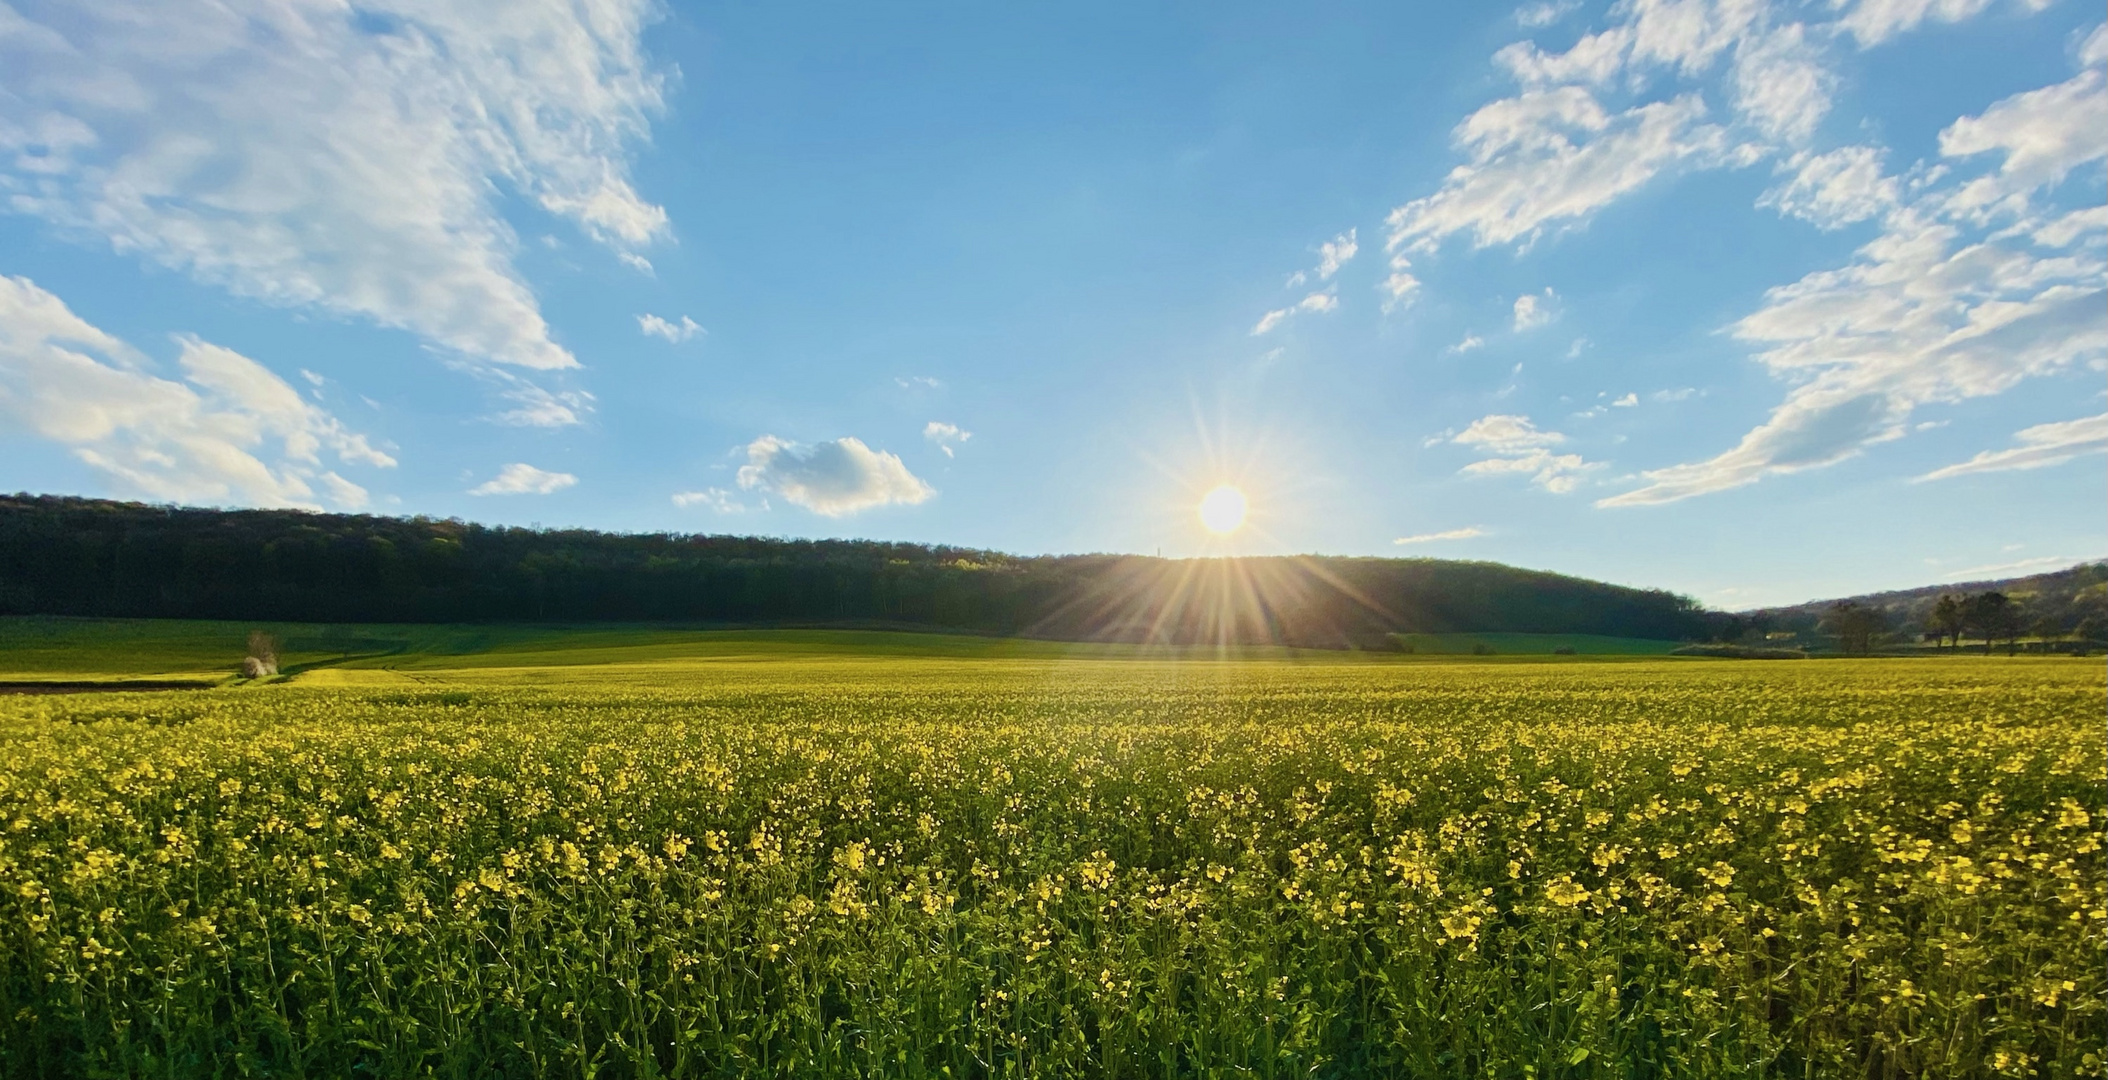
1755 301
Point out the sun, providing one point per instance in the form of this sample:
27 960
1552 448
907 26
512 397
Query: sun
1222 510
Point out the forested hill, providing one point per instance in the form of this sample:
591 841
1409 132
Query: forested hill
2065 598
70 556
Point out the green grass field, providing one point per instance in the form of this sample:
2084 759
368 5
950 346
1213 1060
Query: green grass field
51 648
640 852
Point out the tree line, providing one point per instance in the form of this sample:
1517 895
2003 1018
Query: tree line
1990 617
88 557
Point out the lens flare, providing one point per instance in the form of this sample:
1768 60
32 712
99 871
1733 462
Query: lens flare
1222 510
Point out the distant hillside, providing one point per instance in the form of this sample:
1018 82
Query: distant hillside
69 556
2066 598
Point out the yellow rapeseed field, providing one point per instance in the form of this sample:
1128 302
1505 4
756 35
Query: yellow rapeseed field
834 867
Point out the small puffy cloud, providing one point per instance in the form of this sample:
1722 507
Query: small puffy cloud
230 430
1471 341
1466 533
1335 253
1556 473
1399 285
1836 189
832 479
1595 59
1875 21
536 407
673 332
1317 302
1521 447
1532 311
946 436
1540 15
716 499
1506 434
918 382
2040 446
1780 84
519 479
1626 402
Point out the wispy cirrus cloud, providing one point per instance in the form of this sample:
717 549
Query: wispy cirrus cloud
2040 446
1469 532
1315 302
716 499
229 430
1969 290
340 158
1561 149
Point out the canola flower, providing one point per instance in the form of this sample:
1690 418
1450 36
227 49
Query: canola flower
920 868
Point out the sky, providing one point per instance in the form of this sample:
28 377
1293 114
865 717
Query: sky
1754 300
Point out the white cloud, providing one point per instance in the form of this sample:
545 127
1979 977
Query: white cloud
1335 253
1471 341
1875 21
1554 155
918 382
2043 133
1679 394
350 159
673 332
946 436
1317 301
1506 434
519 479
1466 533
1781 86
1551 156
1540 15
2041 445
536 407
832 478
1556 473
1532 311
716 499
1521 447
1626 402
207 438
1836 189
1399 285
1595 60
1927 312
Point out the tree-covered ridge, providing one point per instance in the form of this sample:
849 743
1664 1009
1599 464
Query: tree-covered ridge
71 556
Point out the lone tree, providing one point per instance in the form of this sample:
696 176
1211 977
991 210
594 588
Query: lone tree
1948 618
1855 626
1993 616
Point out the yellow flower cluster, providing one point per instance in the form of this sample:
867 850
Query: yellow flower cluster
1082 868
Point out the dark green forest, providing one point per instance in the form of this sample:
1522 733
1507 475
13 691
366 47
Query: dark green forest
71 556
